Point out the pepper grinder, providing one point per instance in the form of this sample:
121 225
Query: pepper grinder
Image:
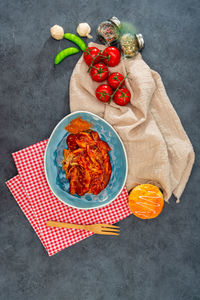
131 44
108 31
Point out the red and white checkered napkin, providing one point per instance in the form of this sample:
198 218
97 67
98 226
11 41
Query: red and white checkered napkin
39 204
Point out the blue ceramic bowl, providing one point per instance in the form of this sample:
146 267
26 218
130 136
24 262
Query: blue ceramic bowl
56 177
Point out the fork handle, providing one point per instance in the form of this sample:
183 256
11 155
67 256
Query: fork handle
65 225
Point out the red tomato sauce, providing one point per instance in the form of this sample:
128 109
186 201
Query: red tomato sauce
87 163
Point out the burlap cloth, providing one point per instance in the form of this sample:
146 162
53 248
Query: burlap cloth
158 149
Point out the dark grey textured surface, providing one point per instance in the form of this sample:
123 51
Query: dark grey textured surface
158 259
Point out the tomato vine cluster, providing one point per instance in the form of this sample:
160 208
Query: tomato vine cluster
98 63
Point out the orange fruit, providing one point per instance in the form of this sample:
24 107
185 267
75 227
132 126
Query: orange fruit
146 201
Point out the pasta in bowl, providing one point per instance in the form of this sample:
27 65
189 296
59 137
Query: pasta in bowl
86 169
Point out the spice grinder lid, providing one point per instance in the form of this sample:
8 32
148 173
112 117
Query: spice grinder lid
140 39
115 20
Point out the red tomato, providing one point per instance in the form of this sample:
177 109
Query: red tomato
111 56
99 72
91 53
115 79
122 97
103 92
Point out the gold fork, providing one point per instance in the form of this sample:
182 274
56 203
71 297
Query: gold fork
96 228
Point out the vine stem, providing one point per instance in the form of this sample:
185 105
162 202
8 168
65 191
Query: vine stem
93 58
111 97
95 68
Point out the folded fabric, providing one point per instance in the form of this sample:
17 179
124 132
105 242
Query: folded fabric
39 204
158 149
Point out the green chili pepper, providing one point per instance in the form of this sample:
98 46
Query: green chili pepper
76 40
64 53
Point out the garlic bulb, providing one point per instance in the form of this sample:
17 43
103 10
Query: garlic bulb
57 32
84 29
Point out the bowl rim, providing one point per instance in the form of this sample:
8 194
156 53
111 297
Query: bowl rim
45 159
